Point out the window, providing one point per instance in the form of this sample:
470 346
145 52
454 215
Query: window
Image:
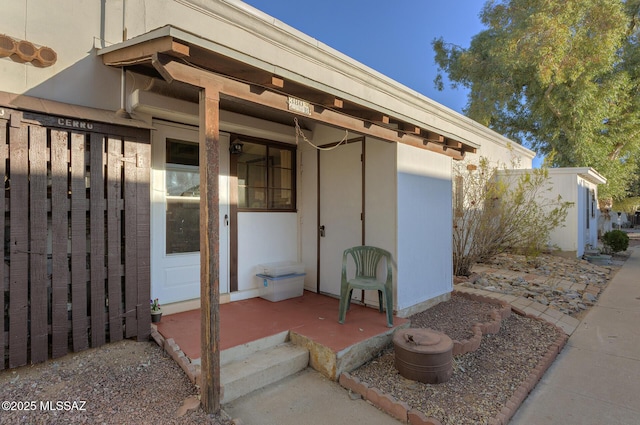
183 197
266 176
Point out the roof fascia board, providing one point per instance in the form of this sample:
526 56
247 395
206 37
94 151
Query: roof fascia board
51 107
172 69
587 173
290 75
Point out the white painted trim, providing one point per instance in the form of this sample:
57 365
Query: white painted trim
587 173
425 305
245 295
189 305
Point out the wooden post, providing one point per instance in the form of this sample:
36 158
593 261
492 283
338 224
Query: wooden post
209 250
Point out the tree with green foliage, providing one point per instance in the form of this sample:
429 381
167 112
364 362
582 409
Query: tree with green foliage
627 205
560 76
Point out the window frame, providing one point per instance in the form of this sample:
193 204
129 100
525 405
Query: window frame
269 144
189 164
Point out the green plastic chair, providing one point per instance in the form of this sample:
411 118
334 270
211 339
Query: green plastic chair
366 259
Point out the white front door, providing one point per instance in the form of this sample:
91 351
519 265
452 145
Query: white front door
175 213
340 211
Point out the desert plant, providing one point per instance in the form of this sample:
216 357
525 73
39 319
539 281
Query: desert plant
496 209
155 305
615 241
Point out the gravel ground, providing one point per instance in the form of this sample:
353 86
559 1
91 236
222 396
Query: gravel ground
482 381
439 317
126 382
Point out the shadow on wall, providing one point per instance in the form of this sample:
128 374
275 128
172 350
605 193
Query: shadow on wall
87 82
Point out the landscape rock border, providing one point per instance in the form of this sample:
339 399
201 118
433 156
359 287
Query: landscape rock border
169 345
479 329
409 415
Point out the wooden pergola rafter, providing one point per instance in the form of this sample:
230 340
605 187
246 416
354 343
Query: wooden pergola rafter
268 89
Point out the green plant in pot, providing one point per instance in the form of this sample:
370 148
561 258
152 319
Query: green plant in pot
156 311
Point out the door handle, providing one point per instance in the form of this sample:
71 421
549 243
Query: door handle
226 219
322 231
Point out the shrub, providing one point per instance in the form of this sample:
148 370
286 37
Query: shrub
497 209
615 241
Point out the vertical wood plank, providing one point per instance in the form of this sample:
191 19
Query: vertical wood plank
18 273
114 182
209 249
143 219
78 244
4 153
98 330
38 250
60 236
130 239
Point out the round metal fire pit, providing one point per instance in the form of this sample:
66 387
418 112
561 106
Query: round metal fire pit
423 355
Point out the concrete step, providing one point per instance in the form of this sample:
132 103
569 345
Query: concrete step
245 350
256 369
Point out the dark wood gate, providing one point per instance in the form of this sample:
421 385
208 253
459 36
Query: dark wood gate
75 229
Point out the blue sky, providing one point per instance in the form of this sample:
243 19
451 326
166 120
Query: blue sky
393 38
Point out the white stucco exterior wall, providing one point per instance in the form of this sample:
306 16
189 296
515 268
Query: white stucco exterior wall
581 225
504 154
424 226
566 237
264 238
74 30
580 186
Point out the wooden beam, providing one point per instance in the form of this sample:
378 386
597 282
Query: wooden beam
409 128
434 137
173 70
209 249
144 51
453 144
210 394
326 101
273 81
375 117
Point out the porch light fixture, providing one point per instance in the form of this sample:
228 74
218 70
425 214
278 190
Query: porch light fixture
235 148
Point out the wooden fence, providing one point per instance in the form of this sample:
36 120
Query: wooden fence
76 235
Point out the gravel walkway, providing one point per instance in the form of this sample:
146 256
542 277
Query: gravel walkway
126 382
569 285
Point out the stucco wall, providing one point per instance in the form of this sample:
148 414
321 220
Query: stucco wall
504 155
264 238
73 29
568 183
424 226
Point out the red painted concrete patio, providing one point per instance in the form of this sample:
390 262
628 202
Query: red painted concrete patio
311 315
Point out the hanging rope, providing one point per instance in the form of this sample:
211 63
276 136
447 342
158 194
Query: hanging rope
300 133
